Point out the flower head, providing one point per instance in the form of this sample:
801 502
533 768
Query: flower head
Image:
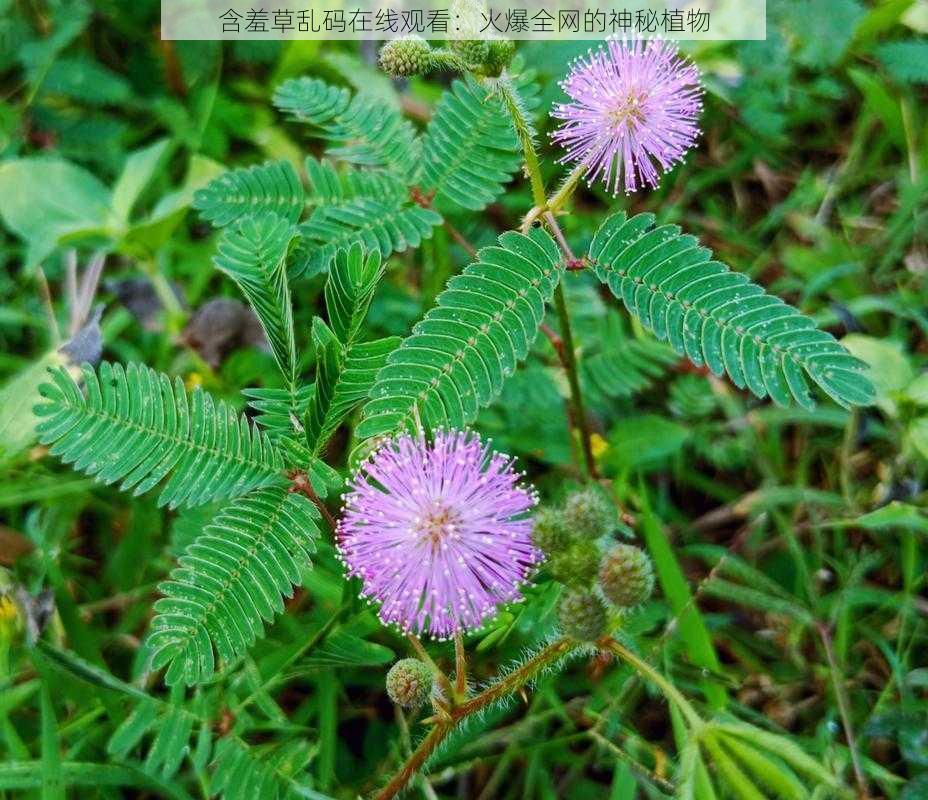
632 113
438 532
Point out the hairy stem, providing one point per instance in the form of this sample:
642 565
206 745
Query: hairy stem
644 668
510 683
460 667
532 167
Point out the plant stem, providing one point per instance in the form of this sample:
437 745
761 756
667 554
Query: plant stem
573 379
843 710
512 682
460 667
643 667
532 167
566 189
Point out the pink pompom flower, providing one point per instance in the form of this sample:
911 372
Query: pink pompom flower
439 532
632 112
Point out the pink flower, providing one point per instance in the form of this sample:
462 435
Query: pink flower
439 532
632 113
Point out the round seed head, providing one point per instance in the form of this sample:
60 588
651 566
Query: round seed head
582 615
500 54
473 51
577 565
626 576
589 514
550 534
409 55
409 682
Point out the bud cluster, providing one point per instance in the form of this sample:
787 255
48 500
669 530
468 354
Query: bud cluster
597 575
413 55
409 682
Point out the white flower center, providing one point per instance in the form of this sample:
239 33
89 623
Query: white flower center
437 524
627 111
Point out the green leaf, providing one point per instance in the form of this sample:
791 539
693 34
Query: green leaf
644 441
893 515
459 355
44 200
890 368
879 100
245 773
387 225
906 61
362 129
253 252
470 149
717 317
30 775
350 289
342 649
692 626
624 366
139 169
52 784
329 186
17 398
773 774
730 774
279 411
273 187
229 582
134 426
783 748
344 377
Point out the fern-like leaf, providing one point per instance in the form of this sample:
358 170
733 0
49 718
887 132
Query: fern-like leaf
238 193
386 225
625 365
253 252
230 581
460 353
344 376
719 318
362 129
470 148
135 426
329 186
350 289
245 773
171 727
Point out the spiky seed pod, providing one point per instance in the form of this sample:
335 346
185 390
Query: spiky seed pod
589 514
550 533
409 55
409 682
582 615
500 54
626 576
474 52
577 565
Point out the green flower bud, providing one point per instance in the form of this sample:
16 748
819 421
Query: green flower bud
409 55
582 616
550 534
626 576
577 565
473 51
589 513
409 682
500 54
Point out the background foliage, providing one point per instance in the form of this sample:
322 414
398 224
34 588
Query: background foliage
789 543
